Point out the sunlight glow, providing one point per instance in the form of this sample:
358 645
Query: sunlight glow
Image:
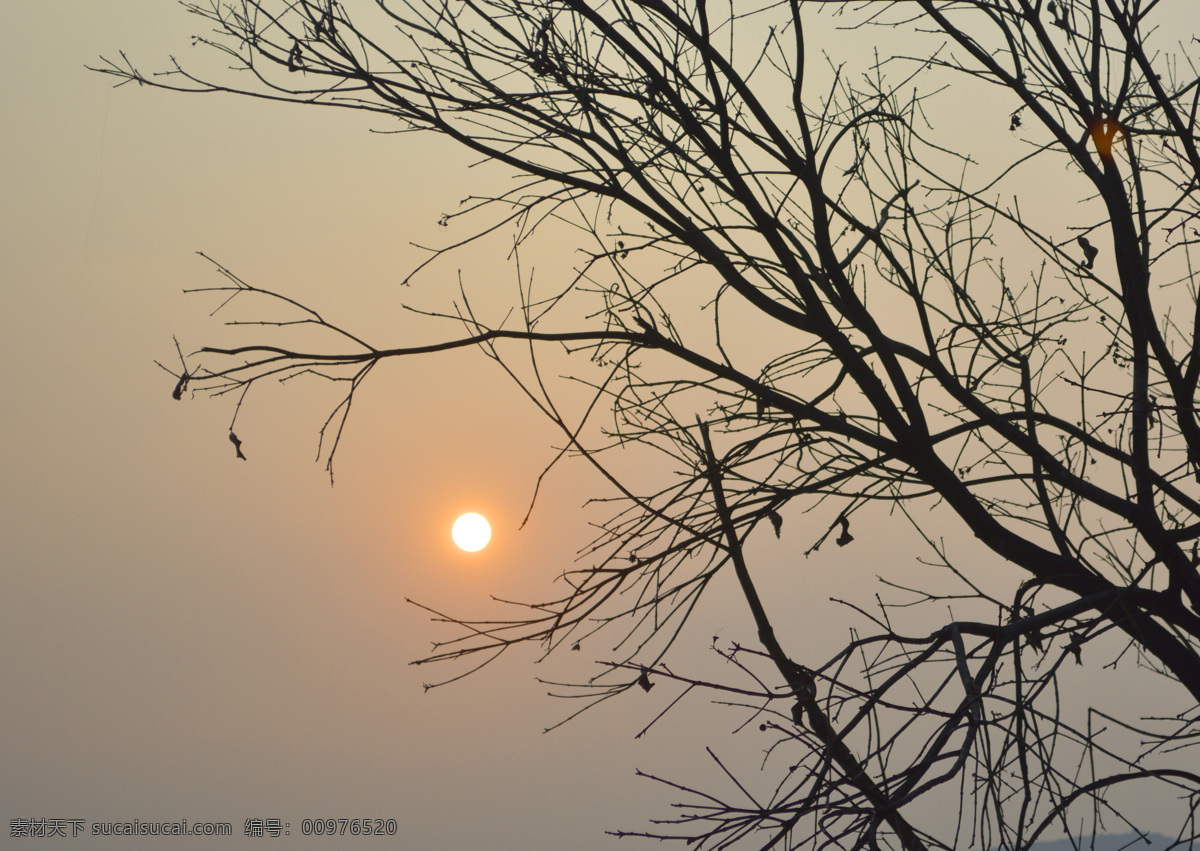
471 532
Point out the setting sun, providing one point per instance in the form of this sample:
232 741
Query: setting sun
471 532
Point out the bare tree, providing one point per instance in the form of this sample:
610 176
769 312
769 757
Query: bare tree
811 285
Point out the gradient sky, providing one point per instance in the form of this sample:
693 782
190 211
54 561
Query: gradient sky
186 635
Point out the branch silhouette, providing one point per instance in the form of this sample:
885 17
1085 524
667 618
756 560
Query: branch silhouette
803 297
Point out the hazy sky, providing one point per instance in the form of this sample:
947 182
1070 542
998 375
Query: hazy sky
184 635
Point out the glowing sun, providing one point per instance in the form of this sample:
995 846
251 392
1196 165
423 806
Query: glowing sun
471 532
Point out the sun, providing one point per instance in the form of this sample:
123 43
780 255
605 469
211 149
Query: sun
471 532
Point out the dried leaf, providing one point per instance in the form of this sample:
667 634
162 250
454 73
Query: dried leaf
845 537
237 444
644 681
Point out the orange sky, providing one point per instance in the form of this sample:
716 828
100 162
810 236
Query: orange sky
186 635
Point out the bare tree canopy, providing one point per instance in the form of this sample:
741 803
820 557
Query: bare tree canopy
954 279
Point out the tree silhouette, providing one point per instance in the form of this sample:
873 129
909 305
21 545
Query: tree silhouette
812 285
